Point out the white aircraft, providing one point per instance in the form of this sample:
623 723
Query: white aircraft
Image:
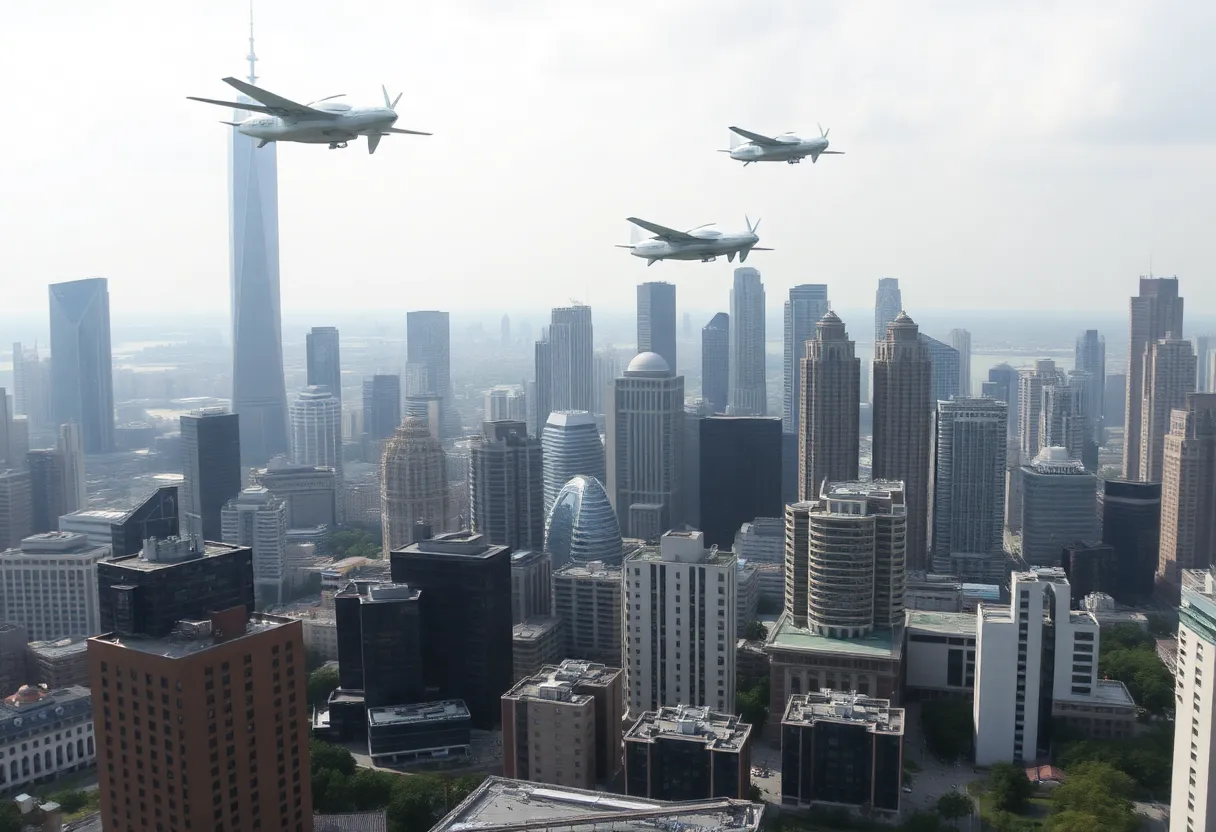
325 121
784 148
701 243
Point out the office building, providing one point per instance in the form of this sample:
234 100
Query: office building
316 429
82 379
1155 313
7 445
705 582
1205 362
828 434
540 712
57 724
1089 566
690 468
466 602
1168 376
903 427
587 599
960 339
571 348
531 585
32 388
413 485
572 448
75 487
657 320
55 664
323 360
1188 489
48 585
534 644
1035 660
715 362
1004 387
945 363
761 543
1030 404
747 394
842 748
258 519
380 636
605 367
506 486
1062 419
310 493
740 474
806 306
429 361
1130 514
888 302
13 642
688 753
197 674
582 525
1091 358
48 496
540 390
506 401
381 406
1059 506
644 448
211 461
419 732
1194 778
157 516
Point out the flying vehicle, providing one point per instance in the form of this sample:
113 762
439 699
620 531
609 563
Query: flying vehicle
324 121
784 148
701 243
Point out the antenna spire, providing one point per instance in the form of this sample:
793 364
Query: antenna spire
251 57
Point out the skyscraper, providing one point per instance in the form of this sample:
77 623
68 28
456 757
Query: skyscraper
806 306
645 447
540 395
903 426
258 519
506 401
715 362
967 489
582 527
605 367
888 302
259 392
1130 513
1059 506
413 484
1091 359
1156 313
960 339
381 406
1205 363
1030 404
47 489
31 387
1115 406
945 360
506 486
1188 487
828 441
324 360
76 495
211 465
504 332
1004 381
657 320
82 380
1168 376
740 474
428 348
572 448
1062 420
1194 777
571 350
748 393
316 429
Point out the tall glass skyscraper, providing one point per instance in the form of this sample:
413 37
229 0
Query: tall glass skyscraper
82 379
888 302
581 526
657 320
324 359
807 305
259 393
572 447
748 392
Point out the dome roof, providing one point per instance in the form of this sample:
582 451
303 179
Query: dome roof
582 526
648 362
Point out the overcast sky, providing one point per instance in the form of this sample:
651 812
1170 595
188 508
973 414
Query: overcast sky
998 154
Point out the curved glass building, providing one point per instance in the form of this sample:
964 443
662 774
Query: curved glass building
572 446
581 526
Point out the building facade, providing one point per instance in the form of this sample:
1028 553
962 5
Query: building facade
1130 514
1059 506
323 360
211 461
828 432
572 448
688 753
1155 313
82 376
1194 777
48 586
960 339
1168 376
257 519
748 393
582 526
316 429
587 599
1188 490
506 486
657 320
888 302
806 306
740 474
715 362
413 484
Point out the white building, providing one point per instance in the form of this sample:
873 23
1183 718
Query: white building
94 524
762 543
506 402
748 395
45 735
1194 778
49 586
258 519
572 447
316 429
939 655
680 620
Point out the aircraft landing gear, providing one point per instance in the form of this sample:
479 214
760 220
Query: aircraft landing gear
336 145
708 259
793 161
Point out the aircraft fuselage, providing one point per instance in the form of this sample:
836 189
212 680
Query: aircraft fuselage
705 248
791 150
338 127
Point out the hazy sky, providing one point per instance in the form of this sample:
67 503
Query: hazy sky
998 154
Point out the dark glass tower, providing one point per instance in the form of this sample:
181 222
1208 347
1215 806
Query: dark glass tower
740 474
380 643
381 406
47 489
657 320
158 516
211 462
506 486
715 362
1130 513
324 359
82 380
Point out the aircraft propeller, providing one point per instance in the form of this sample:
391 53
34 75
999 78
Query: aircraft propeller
823 134
392 105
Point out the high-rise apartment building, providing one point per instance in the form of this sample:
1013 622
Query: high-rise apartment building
1091 359
888 302
466 602
946 361
48 585
748 393
967 489
531 585
1059 506
669 664
960 339
211 463
16 507
1188 490
829 424
1194 776
413 484
903 427
75 489
715 362
657 320
644 449
572 448
1030 404
506 486
82 378
1156 313
381 406
1130 514
47 489
587 599
323 360
1168 376
316 429
805 308
571 348
582 526
258 519
740 474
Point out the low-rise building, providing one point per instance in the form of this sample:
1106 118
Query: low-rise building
404 733
939 655
44 735
684 753
587 598
58 664
935 593
535 644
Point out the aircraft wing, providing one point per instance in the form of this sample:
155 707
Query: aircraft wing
834 152
255 108
768 141
276 105
663 232
403 130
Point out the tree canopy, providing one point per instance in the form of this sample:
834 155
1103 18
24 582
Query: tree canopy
752 704
1009 787
1096 794
351 543
321 683
1129 655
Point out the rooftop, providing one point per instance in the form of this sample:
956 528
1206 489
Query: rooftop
880 644
595 569
187 641
60 647
376 821
945 623
719 732
142 564
558 681
447 710
534 629
502 805
837 706
98 515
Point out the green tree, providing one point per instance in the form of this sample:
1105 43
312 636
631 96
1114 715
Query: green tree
350 543
1009 787
922 822
1125 636
70 800
752 704
371 789
948 727
321 683
1098 790
330 756
953 805
10 817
